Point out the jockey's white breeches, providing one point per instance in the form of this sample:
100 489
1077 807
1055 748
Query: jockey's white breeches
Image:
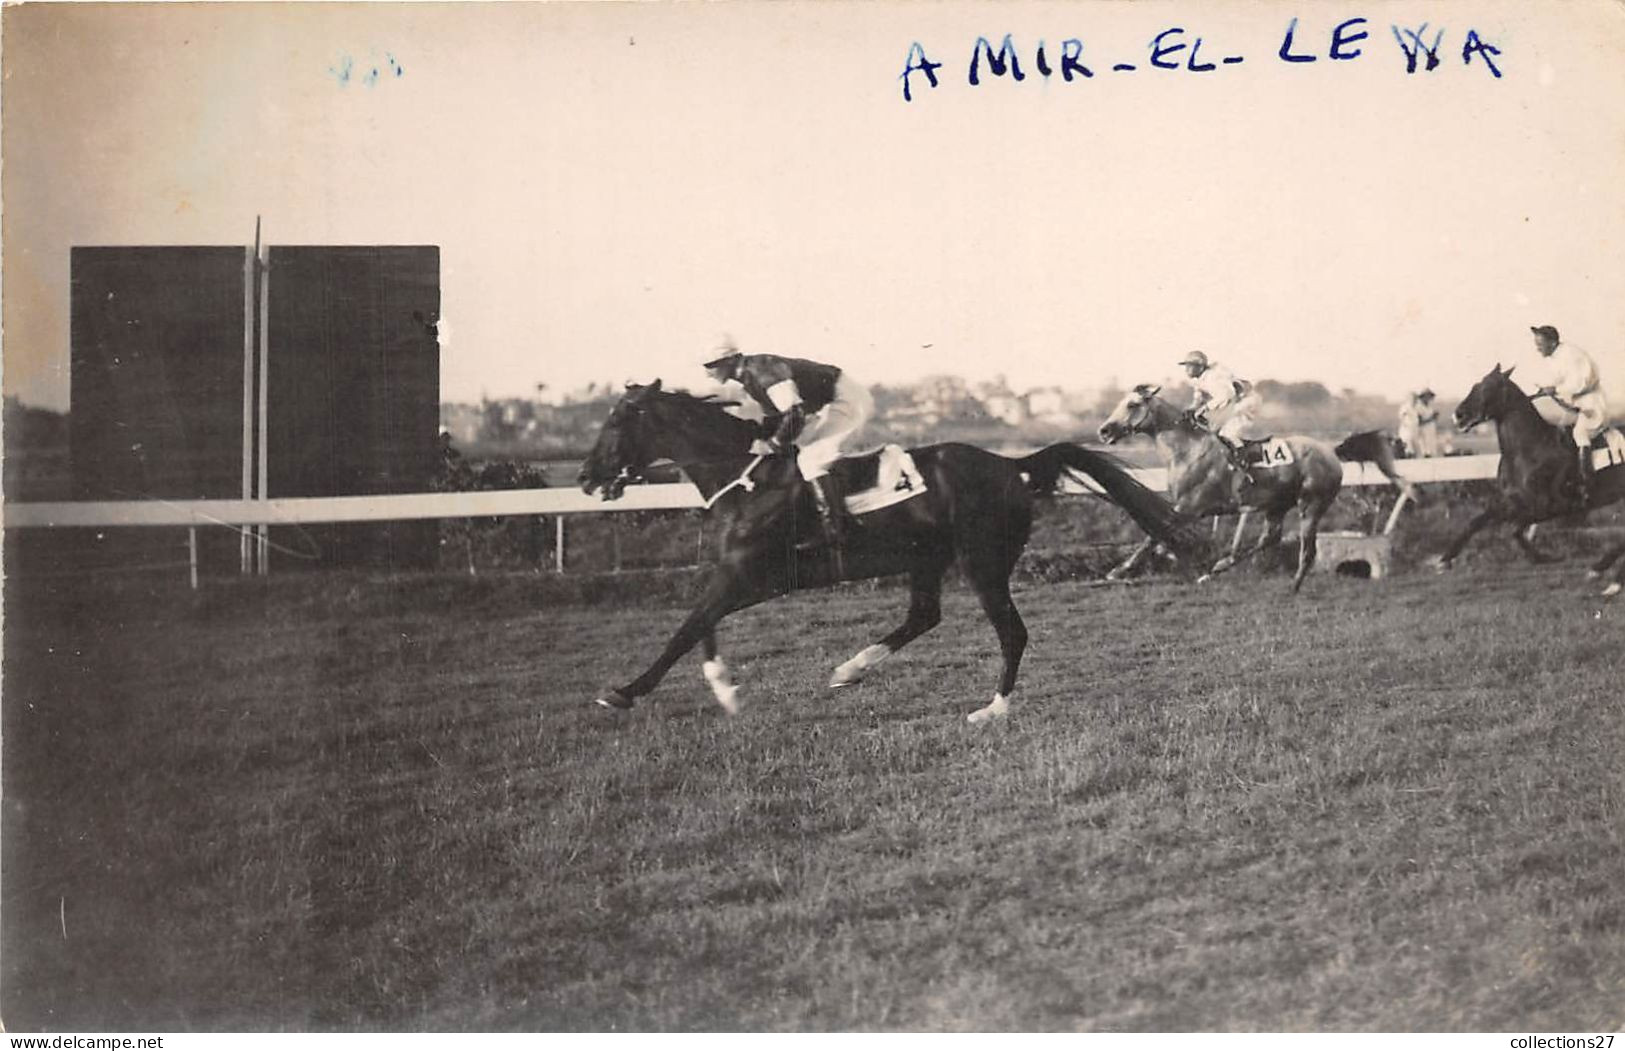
1239 417
827 429
1591 419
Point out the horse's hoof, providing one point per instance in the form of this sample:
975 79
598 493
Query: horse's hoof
1593 574
614 699
1613 589
1441 565
852 672
1204 578
1000 707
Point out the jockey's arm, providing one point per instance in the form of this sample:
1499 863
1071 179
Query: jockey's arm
786 399
1574 375
790 424
1220 387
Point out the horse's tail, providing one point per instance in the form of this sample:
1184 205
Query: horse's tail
1160 519
1375 447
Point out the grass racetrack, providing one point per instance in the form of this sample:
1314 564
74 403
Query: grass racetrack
1382 805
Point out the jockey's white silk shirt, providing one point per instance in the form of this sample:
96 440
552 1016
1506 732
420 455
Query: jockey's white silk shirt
1215 388
1569 371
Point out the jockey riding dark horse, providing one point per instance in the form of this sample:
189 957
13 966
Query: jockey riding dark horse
814 406
961 505
1538 478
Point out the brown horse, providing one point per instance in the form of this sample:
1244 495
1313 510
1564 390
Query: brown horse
975 509
1204 480
1537 478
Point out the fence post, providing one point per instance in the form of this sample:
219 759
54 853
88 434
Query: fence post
558 543
1393 516
191 552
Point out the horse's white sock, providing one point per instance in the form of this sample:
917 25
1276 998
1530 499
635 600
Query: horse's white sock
722 685
865 659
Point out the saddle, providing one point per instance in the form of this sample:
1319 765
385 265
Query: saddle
1263 452
1608 449
877 479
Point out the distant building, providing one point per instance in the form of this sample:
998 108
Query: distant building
1047 401
461 421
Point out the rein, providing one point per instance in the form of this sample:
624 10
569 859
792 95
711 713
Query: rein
742 482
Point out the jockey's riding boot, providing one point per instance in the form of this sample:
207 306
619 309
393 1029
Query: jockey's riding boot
1238 457
831 509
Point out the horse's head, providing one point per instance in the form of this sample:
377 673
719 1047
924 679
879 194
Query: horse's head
623 450
1489 399
1132 415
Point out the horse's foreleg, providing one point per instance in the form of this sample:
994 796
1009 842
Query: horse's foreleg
924 613
718 675
729 590
1526 541
1270 537
1479 521
1235 542
1241 530
1133 561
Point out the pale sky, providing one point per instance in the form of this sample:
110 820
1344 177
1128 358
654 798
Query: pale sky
614 187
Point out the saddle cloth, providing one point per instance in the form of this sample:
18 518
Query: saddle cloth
879 479
1266 452
1608 450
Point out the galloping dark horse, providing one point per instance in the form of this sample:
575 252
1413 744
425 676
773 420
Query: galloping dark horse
976 508
1537 476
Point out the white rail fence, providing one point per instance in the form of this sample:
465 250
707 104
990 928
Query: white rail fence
557 502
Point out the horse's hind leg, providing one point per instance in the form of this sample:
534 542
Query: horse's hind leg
1612 558
1012 631
1608 558
1308 540
924 613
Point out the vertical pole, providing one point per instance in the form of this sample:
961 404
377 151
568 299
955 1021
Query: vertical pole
249 258
191 552
615 542
1393 516
265 374
558 543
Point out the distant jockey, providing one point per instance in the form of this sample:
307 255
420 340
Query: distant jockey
1221 403
1569 377
814 406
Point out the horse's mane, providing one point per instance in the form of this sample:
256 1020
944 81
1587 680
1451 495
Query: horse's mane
708 411
1180 421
